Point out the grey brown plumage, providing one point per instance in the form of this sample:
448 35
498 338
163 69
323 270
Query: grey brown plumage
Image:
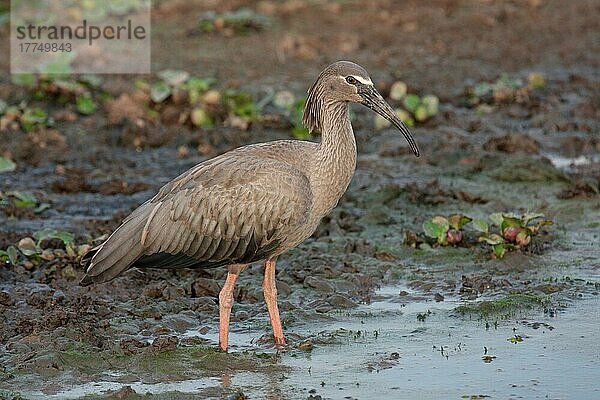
252 203
232 209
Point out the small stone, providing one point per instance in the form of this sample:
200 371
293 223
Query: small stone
205 287
183 151
47 255
438 297
212 97
122 393
172 293
165 342
58 296
131 345
6 298
339 301
319 285
306 345
69 273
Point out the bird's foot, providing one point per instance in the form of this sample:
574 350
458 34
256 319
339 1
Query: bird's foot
223 347
279 341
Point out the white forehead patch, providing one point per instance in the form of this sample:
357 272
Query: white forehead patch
362 80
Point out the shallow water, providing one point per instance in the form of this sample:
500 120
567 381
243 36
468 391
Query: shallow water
550 363
397 356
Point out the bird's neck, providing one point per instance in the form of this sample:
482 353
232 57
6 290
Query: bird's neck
336 156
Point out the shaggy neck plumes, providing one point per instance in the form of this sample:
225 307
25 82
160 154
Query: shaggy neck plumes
335 160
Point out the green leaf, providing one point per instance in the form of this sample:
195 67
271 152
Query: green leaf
398 90
32 118
195 87
494 239
536 80
27 80
421 113
201 118
13 255
86 105
41 208
527 217
515 339
242 104
66 237
411 102
481 225
173 77
499 250
431 104
284 100
28 247
7 165
457 221
510 221
436 227
405 117
141 84
46 234
160 91
24 199
300 133
481 89
496 218
91 80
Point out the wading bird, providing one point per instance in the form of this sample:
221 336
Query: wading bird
252 203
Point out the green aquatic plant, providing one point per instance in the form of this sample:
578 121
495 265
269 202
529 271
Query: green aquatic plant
504 89
32 119
414 107
23 200
30 249
504 232
7 165
514 231
447 231
85 104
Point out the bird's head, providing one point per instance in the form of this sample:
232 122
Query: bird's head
345 81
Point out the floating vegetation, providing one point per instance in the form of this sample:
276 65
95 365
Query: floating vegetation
512 232
415 109
7 165
503 90
22 200
505 306
46 247
23 117
195 100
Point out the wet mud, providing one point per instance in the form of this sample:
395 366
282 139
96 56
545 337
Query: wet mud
371 307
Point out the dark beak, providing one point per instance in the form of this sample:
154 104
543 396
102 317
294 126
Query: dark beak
373 100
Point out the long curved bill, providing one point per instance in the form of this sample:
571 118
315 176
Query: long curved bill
373 100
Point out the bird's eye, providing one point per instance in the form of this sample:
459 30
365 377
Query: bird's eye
351 80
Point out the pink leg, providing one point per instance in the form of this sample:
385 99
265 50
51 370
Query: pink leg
225 304
270 292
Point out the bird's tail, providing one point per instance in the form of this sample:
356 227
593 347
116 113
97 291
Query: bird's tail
118 252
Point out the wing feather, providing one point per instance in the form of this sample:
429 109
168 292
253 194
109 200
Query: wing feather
214 216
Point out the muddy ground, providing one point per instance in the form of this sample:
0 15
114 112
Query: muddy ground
367 313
